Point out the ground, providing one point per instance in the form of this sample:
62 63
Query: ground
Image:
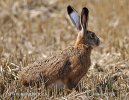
33 29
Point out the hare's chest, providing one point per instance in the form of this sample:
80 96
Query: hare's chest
79 65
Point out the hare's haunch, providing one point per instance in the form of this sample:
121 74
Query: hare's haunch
71 64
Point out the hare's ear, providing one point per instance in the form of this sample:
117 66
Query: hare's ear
74 16
84 18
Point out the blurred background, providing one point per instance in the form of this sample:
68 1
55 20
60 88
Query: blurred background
30 29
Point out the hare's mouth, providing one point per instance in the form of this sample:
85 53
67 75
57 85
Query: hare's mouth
95 45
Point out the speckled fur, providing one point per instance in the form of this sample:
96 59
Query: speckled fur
68 66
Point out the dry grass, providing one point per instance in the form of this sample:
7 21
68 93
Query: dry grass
30 29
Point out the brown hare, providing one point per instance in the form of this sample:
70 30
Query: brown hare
71 64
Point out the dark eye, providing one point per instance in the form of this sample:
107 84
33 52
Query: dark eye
92 35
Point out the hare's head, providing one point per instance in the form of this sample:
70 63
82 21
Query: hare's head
85 37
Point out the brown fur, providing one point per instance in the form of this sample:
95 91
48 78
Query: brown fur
68 67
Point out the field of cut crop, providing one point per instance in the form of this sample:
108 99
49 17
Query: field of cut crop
34 29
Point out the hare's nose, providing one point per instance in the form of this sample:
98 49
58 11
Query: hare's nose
97 41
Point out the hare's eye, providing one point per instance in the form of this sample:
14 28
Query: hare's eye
92 35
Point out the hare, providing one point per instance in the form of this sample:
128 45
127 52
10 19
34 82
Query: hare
71 64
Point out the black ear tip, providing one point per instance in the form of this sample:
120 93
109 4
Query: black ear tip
85 10
69 9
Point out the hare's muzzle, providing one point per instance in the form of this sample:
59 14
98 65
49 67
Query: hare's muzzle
97 42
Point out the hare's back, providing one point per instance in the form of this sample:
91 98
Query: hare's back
52 68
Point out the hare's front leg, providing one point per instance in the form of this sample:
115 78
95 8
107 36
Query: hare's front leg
71 84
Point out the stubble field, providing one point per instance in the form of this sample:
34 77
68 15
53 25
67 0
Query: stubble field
34 29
